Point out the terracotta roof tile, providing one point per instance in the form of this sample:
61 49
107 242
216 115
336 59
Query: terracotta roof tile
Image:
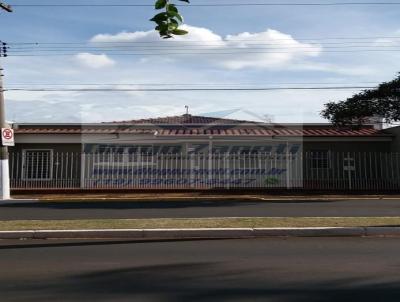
200 131
185 119
188 125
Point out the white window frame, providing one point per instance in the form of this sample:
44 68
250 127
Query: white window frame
329 159
24 163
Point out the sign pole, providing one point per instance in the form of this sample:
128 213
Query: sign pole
4 168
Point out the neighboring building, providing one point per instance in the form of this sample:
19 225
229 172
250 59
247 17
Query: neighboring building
202 143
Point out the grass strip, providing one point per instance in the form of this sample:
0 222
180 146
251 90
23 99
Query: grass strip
262 222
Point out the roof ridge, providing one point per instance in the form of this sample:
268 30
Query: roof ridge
182 119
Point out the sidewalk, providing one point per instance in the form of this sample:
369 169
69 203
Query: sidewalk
193 196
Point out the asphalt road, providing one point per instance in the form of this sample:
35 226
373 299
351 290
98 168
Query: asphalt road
182 209
297 269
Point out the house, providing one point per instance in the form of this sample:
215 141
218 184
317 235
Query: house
202 152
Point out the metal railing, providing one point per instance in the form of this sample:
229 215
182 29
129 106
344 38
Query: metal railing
309 170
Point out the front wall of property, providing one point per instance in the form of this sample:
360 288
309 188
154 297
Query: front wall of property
45 165
335 162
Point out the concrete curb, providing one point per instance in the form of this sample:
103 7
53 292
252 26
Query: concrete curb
73 199
236 233
18 201
310 232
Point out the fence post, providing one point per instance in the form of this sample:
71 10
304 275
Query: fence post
83 170
287 167
210 158
349 170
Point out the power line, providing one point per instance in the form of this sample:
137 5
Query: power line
210 53
223 47
190 84
201 47
272 41
202 51
166 42
310 4
198 47
187 89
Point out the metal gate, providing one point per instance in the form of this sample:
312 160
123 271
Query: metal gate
318 170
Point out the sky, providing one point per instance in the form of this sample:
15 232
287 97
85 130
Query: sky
308 35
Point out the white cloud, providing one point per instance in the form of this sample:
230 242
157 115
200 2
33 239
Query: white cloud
94 60
126 37
196 34
268 49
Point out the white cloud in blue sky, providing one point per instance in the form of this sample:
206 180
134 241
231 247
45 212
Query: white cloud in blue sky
95 61
221 28
258 44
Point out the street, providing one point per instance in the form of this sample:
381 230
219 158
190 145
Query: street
296 269
200 209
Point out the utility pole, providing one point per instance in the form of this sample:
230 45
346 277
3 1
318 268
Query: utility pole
4 166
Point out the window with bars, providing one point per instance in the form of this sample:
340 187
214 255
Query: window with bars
111 153
37 164
320 159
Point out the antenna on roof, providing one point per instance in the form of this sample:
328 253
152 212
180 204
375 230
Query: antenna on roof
187 109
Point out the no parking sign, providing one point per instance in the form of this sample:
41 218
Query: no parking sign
7 137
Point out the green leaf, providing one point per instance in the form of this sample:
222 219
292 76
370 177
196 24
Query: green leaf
160 17
180 32
167 22
172 26
161 4
171 8
175 15
174 22
163 27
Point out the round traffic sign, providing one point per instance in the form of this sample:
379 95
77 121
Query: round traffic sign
7 133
